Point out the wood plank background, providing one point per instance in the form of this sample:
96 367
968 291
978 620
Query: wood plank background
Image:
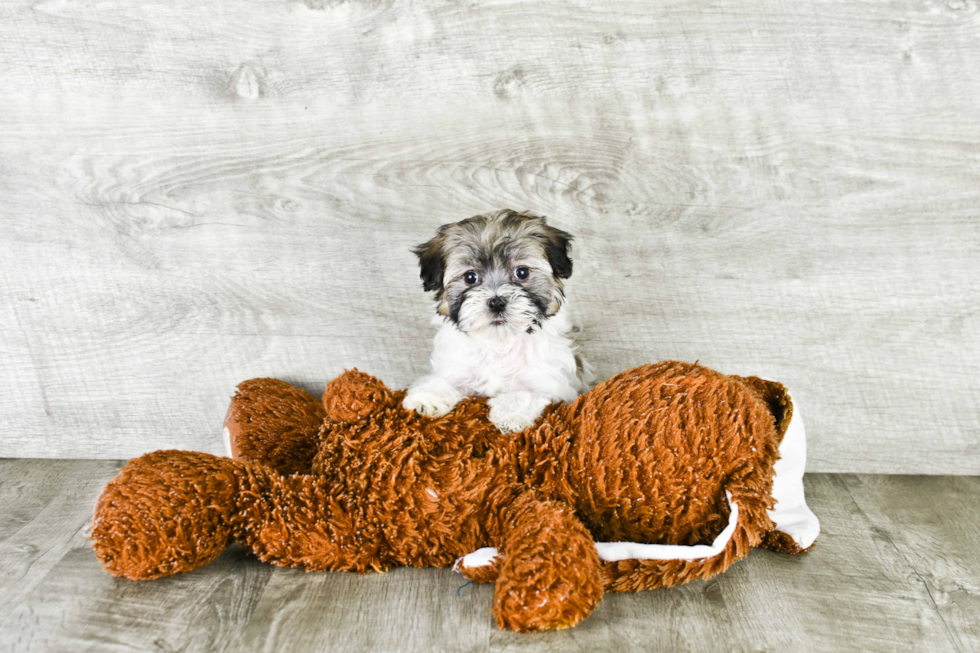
193 193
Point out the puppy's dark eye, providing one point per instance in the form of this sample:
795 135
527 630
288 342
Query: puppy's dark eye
522 272
471 277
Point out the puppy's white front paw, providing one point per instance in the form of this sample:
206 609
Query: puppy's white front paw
511 423
432 396
515 411
427 403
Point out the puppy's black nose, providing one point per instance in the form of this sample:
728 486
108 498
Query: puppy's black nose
497 304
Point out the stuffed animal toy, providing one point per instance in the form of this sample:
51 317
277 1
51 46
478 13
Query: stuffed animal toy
660 475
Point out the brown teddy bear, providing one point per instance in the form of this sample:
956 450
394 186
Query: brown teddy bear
657 476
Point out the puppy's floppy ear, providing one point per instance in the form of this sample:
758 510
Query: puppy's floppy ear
432 262
556 245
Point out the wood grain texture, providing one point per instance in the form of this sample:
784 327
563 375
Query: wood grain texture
933 528
47 505
192 194
896 567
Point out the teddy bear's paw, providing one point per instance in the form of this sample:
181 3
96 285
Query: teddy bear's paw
549 599
480 566
513 412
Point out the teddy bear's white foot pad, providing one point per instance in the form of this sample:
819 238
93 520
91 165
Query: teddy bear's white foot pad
791 514
615 551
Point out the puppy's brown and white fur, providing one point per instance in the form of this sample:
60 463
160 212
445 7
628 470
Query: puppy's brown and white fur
504 326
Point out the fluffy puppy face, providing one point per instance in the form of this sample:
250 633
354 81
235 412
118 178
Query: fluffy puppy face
498 273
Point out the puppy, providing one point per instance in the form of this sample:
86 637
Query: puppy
504 330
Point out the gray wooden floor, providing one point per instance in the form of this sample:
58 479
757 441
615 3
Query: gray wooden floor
897 567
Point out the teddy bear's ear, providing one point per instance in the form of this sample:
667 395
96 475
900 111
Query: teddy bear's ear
353 395
776 397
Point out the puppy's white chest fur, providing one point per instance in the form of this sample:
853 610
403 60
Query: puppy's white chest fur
542 362
520 373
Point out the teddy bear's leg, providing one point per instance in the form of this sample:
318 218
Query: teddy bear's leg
173 511
275 424
166 512
550 576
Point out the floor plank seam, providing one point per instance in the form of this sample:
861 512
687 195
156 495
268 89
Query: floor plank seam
907 562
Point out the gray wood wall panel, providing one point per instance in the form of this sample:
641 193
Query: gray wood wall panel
192 193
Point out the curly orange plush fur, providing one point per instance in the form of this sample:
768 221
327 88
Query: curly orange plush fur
358 483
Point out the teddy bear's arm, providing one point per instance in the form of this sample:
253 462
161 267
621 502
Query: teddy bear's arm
275 424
